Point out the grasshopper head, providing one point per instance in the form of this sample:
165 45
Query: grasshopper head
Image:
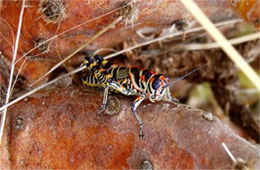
157 87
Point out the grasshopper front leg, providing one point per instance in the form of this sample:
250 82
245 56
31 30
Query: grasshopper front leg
104 104
134 106
169 97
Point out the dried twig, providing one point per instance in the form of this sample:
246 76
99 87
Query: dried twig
79 49
12 33
238 163
209 46
170 35
225 45
126 12
64 32
41 87
238 113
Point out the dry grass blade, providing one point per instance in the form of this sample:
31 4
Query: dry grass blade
12 69
206 46
170 35
127 12
229 153
79 49
222 41
64 32
12 33
40 87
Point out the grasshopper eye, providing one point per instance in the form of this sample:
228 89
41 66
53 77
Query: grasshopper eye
89 59
156 84
98 59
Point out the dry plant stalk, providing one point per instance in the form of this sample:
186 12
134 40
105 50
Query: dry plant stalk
79 49
62 33
234 41
222 41
170 35
238 163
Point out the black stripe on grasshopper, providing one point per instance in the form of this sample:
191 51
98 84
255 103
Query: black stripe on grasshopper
104 80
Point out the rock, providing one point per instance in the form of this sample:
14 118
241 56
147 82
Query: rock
60 128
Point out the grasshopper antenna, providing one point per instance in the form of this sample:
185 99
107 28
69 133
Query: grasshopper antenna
186 75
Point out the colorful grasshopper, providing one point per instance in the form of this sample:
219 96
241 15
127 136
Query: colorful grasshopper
134 81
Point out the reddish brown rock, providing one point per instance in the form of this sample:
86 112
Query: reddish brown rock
60 129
